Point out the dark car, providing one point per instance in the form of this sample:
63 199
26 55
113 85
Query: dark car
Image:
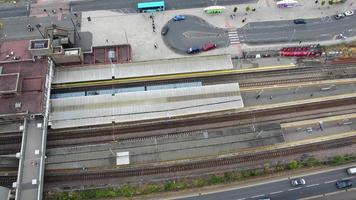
179 18
299 21
193 50
343 184
165 30
297 182
208 46
339 16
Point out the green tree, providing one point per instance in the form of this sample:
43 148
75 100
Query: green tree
323 2
248 8
331 2
293 165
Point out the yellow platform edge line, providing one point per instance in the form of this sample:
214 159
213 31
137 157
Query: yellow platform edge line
169 77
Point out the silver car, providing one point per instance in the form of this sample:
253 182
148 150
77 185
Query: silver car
297 182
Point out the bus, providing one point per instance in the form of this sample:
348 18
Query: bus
151 6
287 4
214 9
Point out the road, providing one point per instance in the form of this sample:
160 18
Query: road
14 11
281 190
170 4
318 29
193 32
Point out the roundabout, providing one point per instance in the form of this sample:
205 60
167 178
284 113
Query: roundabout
192 32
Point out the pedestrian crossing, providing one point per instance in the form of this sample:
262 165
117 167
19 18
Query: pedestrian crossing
233 36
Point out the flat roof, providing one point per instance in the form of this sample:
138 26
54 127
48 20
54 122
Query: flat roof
9 83
18 48
145 68
143 105
30 86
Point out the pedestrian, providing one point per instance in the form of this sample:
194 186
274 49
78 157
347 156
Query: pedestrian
106 40
270 97
155 45
300 42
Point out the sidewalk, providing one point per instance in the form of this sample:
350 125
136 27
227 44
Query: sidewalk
119 28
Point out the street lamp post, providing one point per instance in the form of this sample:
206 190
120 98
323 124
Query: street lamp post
38 26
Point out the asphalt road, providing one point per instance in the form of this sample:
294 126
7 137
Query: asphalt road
282 190
12 11
170 4
193 32
318 29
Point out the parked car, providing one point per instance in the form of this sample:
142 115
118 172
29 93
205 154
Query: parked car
349 13
300 21
179 18
208 46
165 30
339 16
297 182
343 184
193 50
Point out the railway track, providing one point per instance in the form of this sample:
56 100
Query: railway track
328 71
58 176
181 122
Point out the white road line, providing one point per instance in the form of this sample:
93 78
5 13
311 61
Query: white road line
276 192
313 185
241 199
330 181
346 178
294 189
261 195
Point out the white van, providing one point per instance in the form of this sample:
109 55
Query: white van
351 171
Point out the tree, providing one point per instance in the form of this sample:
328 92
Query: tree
323 2
248 8
331 2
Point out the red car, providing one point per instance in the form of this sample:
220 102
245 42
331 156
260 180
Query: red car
209 46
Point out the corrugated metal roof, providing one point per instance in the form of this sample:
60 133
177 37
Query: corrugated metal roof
138 69
143 105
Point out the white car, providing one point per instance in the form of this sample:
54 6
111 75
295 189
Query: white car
349 13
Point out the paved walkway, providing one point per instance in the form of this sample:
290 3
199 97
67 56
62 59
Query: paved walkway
136 29
29 168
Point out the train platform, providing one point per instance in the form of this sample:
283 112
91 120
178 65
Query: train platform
326 84
141 69
143 105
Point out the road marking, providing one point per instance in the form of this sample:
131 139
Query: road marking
326 182
233 36
313 185
261 195
346 178
276 192
241 199
294 189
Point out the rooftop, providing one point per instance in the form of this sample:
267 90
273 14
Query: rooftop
27 79
14 51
